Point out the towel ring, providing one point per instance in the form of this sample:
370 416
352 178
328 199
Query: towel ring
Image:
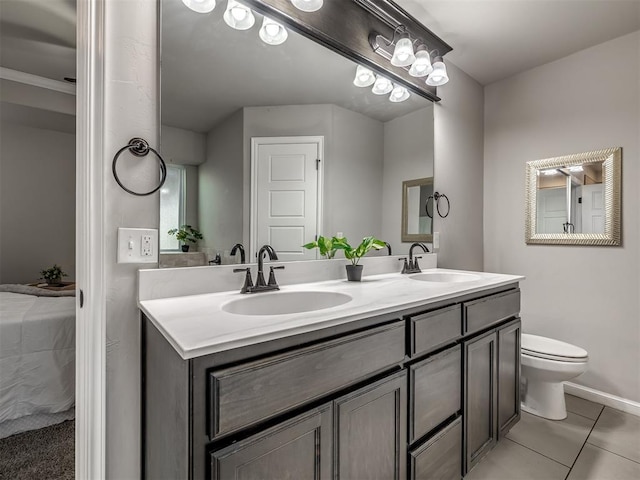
435 198
140 148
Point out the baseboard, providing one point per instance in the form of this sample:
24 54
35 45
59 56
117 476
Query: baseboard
606 399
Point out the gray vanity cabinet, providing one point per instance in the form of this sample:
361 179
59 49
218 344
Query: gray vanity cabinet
300 449
491 389
371 431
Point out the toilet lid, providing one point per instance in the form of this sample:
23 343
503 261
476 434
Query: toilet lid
544 347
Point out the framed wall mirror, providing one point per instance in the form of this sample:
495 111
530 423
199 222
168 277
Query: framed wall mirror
417 224
574 199
223 88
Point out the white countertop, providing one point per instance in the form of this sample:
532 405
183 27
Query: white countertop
196 324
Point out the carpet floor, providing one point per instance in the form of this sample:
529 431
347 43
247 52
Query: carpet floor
47 453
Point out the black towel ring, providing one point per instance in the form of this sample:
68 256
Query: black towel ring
436 199
140 148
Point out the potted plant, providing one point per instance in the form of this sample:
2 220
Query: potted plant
354 271
325 245
184 234
53 275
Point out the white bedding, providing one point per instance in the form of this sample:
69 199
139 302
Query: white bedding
37 355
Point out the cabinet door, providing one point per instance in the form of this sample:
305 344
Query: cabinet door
371 431
299 449
480 425
508 376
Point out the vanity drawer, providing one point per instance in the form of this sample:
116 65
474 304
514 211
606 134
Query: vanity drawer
434 329
441 456
245 394
486 311
435 391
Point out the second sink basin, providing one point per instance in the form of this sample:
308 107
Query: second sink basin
445 277
282 303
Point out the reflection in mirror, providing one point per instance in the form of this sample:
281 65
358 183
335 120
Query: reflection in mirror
574 199
225 90
416 223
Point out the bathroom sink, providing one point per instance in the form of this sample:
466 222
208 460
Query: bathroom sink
282 303
445 277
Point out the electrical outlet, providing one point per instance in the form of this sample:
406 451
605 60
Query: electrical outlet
137 245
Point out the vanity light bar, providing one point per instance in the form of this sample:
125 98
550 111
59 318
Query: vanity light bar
381 85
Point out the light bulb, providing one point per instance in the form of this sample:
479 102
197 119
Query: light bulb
422 65
403 53
364 77
398 94
439 75
200 6
382 86
307 5
272 33
238 16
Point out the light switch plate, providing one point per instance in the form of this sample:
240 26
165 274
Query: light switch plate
137 245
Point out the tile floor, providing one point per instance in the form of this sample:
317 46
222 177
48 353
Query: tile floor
592 443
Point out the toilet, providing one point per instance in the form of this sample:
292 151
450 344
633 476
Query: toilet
546 363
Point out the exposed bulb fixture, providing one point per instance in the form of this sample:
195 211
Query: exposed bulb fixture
272 33
307 5
382 86
364 77
403 53
439 75
238 16
422 66
200 6
398 94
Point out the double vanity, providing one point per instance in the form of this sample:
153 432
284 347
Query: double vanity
395 377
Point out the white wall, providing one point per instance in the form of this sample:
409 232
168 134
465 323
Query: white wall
458 146
588 296
130 110
408 155
37 202
183 147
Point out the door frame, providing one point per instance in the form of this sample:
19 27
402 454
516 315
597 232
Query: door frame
256 142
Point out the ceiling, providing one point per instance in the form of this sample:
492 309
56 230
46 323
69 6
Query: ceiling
491 39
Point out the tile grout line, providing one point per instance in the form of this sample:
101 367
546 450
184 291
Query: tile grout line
585 442
538 453
613 453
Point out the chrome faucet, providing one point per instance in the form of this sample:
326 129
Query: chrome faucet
236 247
261 285
412 265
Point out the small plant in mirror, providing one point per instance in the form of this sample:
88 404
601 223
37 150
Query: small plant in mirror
324 245
184 234
53 275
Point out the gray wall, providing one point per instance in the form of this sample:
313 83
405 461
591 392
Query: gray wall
37 202
459 140
588 296
408 155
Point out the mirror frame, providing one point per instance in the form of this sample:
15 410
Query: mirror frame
611 159
405 235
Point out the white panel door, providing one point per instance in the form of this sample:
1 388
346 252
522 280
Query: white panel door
592 208
285 176
552 210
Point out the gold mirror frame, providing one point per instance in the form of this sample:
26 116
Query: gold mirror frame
611 159
405 235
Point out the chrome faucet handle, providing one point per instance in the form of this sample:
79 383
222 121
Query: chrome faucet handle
248 282
405 266
272 277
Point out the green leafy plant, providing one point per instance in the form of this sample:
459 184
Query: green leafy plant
325 245
355 254
186 233
53 274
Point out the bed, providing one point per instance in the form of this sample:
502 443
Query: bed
37 358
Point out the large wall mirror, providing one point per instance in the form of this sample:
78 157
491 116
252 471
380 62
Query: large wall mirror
275 144
574 199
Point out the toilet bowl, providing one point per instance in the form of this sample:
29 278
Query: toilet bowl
546 363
